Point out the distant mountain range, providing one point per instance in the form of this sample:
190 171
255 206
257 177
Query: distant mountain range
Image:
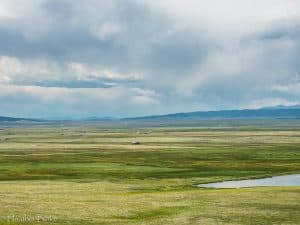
270 112
14 119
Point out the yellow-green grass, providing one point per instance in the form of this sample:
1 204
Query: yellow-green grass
85 174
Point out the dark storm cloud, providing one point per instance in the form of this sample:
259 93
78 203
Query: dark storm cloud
66 34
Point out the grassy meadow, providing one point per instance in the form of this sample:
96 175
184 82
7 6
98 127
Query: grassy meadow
93 174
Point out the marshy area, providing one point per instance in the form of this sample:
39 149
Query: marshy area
88 174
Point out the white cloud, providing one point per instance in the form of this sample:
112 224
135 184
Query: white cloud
14 70
5 13
231 17
293 88
87 72
145 97
106 30
270 102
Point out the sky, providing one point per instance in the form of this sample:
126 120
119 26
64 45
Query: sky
120 58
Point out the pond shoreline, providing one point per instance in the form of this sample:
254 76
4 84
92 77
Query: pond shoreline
274 181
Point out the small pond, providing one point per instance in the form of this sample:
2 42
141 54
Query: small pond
285 180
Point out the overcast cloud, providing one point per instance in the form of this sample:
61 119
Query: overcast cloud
79 58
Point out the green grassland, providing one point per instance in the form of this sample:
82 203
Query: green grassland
90 174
